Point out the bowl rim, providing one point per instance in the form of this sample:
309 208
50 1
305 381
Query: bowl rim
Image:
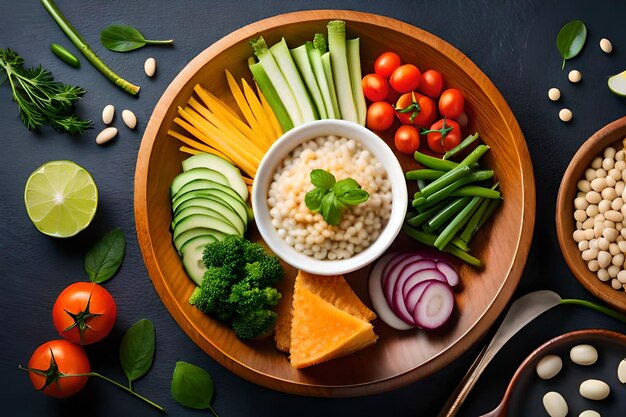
470 337
565 227
283 147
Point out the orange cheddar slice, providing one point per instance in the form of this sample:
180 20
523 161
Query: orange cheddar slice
320 331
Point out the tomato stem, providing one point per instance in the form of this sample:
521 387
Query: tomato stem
414 108
95 374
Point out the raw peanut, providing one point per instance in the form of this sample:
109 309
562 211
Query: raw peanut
613 270
598 184
603 244
609 193
594 266
580 215
614 216
583 244
585 186
618 260
616 284
596 162
590 254
579 235
608 164
610 234
614 249
603 275
604 205
604 259
581 203
593 197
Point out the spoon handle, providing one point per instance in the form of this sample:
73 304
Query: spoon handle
451 407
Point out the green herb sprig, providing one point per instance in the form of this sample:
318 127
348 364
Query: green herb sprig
571 39
124 38
330 197
41 100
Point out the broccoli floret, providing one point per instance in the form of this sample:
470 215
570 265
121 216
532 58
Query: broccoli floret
238 286
255 324
227 252
265 272
247 297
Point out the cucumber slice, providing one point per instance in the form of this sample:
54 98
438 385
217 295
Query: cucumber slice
209 212
216 205
205 185
194 221
186 236
192 252
232 173
197 174
617 84
235 203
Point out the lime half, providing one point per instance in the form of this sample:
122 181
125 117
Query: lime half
61 198
617 84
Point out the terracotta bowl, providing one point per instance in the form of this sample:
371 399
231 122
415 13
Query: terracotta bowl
612 134
398 358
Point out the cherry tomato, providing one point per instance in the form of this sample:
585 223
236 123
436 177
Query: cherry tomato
84 313
416 109
431 84
375 87
386 63
380 116
405 78
451 103
443 138
68 358
407 139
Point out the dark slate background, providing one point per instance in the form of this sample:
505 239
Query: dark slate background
513 42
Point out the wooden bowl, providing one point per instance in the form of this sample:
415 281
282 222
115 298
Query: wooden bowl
611 134
524 393
399 357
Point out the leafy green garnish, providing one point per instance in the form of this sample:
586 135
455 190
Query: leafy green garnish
571 39
40 99
104 259
192 387
331 197
124 38
137 350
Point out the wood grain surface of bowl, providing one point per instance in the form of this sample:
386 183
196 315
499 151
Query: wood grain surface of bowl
399 357
611 134
525 390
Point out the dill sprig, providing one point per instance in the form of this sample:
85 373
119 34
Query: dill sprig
40 99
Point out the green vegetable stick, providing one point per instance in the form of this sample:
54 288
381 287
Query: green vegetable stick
341 72
450 189
475 191
426 215
424 174
468 230
461 146
354 68
429 239
315 57
493 205
455 225
328 73
65 55
270 94
301 58
433 163
448 178
447 212
83 47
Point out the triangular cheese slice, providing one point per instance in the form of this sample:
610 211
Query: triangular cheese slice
321 331
333 289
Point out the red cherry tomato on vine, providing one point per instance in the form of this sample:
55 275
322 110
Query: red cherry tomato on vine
375 87
84 309
386 63
431 84
405 78
380 116
451 103
68 358
442 138
416 109
407 139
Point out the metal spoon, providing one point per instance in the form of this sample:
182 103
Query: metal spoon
522 312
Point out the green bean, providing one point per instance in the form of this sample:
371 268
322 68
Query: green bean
493 205
474 156
424 174
418 201
421 184
455 225
424 216
467 233
450 189
64 55
461 146
459 244
429 240
448 178
447 212
475 191
433 163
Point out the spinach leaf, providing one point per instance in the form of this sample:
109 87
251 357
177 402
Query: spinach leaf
124 38
192 386
104 259
571 39
137 350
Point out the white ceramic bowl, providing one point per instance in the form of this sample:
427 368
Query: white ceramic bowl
287 143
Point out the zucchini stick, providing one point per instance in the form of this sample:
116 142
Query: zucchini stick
84 48
270 94
328 73
271 69
315 57
341 72
301 58
281 54
354 67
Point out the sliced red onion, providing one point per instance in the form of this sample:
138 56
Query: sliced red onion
391 275
434 307
430 272
451 275
379 302
414 294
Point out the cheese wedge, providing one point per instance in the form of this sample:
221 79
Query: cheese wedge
333 289
321 331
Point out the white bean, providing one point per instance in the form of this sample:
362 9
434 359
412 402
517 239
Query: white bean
129 119
606 45
617 203
614 215
610 181
150 67
574 76
106 135
621 371
609 194
580 215
590 254
596 162
622 246
590 234
588 224
614 249
590 174
589 413
603 244
593 265
583 354
598 229
610 234
565 115
579 236
555 404
593 197
549 366
598 184
593 243
608 164
594 389
554 94
616 284
616 174
620 165
613 270
603 275
592 211
604 206
584 186
604 259
109 111
609 152
619 155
